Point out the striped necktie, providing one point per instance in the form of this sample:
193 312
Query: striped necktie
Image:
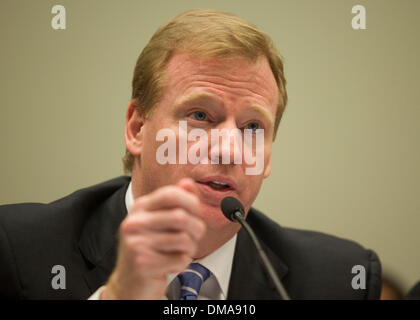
191 280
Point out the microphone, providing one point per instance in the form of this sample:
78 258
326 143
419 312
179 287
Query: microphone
234 211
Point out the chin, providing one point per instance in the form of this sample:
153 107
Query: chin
214 218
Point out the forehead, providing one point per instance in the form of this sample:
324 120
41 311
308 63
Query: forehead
229 77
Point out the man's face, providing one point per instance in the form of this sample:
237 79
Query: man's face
211 93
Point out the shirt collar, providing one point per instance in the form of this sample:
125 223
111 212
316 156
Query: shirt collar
129 199
219 262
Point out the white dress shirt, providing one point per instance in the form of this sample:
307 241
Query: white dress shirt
219 262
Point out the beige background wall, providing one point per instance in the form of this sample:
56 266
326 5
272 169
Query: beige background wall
347 156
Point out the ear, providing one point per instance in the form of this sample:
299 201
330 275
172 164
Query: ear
134 121
267 169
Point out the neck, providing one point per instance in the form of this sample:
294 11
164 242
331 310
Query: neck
214 239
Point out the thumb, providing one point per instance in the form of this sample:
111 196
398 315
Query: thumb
188 184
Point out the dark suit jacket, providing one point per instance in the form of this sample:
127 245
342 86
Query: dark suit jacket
79 232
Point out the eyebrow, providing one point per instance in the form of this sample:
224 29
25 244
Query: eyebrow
210 96
264 112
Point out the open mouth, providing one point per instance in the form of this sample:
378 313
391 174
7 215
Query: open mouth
217 185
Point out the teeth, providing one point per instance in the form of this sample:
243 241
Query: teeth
220 183
217 185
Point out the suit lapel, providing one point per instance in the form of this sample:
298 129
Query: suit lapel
98 242
249 279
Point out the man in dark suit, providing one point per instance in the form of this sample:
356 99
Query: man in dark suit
79 232
202 72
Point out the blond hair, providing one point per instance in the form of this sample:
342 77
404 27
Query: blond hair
206 33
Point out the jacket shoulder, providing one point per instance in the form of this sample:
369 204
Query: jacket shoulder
36 236
80 202
319 262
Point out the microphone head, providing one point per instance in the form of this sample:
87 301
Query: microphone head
229 206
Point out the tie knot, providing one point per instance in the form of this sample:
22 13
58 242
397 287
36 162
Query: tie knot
191 280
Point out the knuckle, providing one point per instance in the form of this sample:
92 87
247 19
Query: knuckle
125 226
140 222
173 193
138 204
132 222
179 217
130 245
137 208
168 190
139 201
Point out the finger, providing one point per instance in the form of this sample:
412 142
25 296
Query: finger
148 261
167 220
168 197
189 185
163 242
173 242
156 263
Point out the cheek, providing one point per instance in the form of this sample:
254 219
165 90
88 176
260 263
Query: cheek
253 185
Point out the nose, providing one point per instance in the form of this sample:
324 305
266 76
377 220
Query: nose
226 143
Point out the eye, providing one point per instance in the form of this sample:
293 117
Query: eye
253 126
199 115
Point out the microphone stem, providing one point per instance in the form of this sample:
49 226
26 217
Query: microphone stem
265 261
